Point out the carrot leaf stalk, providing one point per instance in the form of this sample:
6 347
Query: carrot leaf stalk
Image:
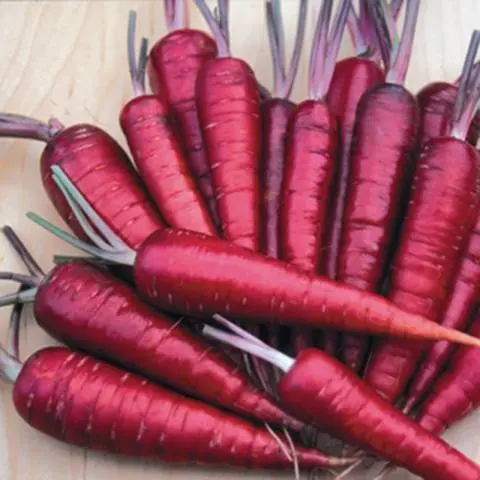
14 327
29 280
25 256
136 66
10 367
283 81
222 41
465 107
325 49
395 7
19 126
223 8
176 14
402 49
22 296
356 33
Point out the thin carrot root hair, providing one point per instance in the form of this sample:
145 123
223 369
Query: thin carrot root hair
136 66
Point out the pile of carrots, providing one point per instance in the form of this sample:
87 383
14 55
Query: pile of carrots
263 274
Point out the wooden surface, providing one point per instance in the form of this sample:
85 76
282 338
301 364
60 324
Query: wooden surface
68 59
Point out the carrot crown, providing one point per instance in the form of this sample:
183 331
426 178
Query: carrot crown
12 125
176 14
324 51
136 66
395 50
467 101
283 82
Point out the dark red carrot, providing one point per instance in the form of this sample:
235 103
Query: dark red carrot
147 123
442 210
100 169
191 274
229 111
86 402
461 303
380 167
311 148
275 113
173 66
352 77
326 393
456 393
88 309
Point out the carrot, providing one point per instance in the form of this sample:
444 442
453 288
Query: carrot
230 117
380 167
173 65
352 77
312 141
188 273
275 114
328 394
456 393
443 206
108 409
147 123
458 310
76 303
100 169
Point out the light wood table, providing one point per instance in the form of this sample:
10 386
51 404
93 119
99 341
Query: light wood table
68 59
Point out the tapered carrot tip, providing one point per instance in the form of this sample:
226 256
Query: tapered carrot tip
456 336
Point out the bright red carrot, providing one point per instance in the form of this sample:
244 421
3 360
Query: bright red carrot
147 123
326 393
196 275
100 169
380 167
106 408
461 302
456 393
230 117
88 309
173 66
441 213
311 148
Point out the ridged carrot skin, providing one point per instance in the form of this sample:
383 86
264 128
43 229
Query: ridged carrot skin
221 277
157 152
441 213
103 173
323 392
461 303
352 77
173 66
88 309
457 391
85 402
230 116
435 102
382 154
310 156
275 115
